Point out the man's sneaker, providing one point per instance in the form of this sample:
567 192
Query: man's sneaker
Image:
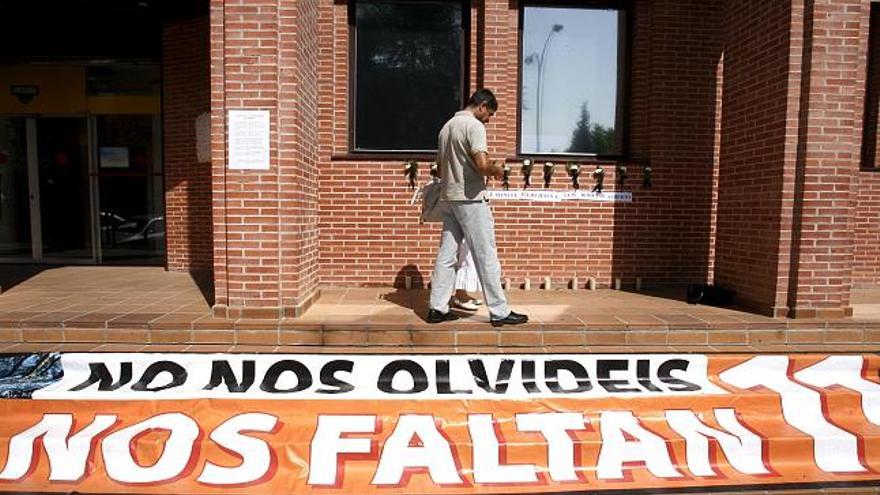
435 316
511 319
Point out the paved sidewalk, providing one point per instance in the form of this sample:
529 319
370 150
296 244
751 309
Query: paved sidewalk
115 308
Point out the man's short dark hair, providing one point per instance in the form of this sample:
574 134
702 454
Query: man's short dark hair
481 96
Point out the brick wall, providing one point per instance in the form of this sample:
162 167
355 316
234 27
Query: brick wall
185 95
758 150
866 227
370 235
665 234
715 107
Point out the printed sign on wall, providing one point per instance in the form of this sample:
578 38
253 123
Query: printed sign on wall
249 139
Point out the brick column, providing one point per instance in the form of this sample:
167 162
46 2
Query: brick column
828 157
263 57
498 70
298 160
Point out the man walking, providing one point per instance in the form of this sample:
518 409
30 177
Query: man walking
463 156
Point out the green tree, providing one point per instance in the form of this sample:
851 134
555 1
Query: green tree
581 137
591 138
603 139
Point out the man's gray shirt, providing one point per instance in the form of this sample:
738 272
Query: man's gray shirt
462 135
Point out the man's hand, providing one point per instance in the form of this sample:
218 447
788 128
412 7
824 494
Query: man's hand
487 169
498 170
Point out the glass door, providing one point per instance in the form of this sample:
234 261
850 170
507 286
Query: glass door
131 198
64 189
15 191
82 190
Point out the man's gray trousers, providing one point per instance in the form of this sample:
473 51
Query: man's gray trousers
471 220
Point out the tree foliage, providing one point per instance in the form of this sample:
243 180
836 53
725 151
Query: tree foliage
591 138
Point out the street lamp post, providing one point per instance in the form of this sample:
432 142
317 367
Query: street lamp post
540 59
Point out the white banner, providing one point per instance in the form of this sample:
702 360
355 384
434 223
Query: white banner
297 376
557 196
127 423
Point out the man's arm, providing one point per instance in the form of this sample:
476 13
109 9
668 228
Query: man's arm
484 167
479 151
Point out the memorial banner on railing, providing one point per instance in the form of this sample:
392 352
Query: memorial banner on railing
435 424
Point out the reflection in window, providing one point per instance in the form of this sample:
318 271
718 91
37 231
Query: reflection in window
123 80
131 193
15 225
408 72
570 80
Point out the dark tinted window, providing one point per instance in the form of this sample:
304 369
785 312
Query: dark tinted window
408 72
123 80
571 70
872 91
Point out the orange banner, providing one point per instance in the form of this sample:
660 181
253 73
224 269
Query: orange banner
548 424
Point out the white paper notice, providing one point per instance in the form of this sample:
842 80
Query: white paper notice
249 139
556 195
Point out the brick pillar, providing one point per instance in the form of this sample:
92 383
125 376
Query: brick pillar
828 158
298 177
264 57
759 137
186 93
498 70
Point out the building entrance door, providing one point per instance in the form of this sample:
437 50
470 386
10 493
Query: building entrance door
45 193
65 192
131 195
15 191
81 190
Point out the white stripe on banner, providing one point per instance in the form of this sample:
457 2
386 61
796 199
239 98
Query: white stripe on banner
328 377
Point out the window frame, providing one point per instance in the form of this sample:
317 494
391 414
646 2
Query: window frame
624 78
352 77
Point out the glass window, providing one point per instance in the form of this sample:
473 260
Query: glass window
872 91
571 73
123 80
408 73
